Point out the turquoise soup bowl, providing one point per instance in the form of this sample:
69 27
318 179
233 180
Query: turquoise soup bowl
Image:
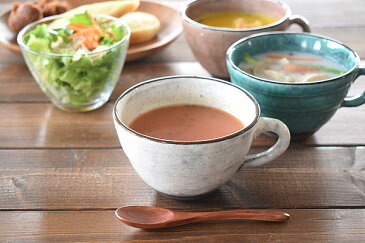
303 107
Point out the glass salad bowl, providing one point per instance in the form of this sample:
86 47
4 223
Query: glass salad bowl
76 60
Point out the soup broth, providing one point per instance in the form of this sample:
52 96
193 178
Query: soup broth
237 20
296 67
186 123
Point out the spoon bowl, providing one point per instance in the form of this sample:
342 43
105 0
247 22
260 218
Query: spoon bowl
146 217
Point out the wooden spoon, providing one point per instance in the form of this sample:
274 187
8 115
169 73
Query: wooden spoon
146 217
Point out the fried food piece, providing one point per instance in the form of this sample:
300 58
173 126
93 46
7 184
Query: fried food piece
23 14
53 7
42 3
144 26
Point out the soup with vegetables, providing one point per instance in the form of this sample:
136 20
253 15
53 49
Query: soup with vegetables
236 20
295 67
186 123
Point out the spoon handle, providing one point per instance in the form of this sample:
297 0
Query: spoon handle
260 215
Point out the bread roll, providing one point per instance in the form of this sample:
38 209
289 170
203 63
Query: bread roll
144 26
111 8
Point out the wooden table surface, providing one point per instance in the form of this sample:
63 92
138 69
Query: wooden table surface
63 174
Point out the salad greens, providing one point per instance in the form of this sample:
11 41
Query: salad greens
81 19
89 72
330 70
248 58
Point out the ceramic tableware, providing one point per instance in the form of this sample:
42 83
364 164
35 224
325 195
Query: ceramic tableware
209 44
303 107
188 169
170 29
76 84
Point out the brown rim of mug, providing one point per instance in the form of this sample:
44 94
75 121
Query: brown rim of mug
285 6
167 78
232 48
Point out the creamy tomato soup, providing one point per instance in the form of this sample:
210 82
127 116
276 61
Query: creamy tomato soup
186 123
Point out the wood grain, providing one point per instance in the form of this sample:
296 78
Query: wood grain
338 225
17 85
330 13
62 174
104 179
45 126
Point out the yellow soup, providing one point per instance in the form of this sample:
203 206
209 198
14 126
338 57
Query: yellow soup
236 20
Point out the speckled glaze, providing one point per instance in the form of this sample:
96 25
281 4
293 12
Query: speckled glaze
190 169
303 107
209 44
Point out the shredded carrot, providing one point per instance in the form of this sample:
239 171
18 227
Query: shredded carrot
92 19
80 26
293 58
292 68
89 33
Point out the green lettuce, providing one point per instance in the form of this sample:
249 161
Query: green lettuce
330 70
74 80
247 58
82 18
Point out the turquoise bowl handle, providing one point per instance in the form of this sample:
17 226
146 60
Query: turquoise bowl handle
355 100
301 21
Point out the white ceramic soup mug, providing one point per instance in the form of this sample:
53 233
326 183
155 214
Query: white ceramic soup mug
188 169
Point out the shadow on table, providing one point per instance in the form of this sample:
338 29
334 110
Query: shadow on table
229 196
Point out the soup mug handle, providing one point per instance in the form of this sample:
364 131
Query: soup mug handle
352 101
301 21
269 125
